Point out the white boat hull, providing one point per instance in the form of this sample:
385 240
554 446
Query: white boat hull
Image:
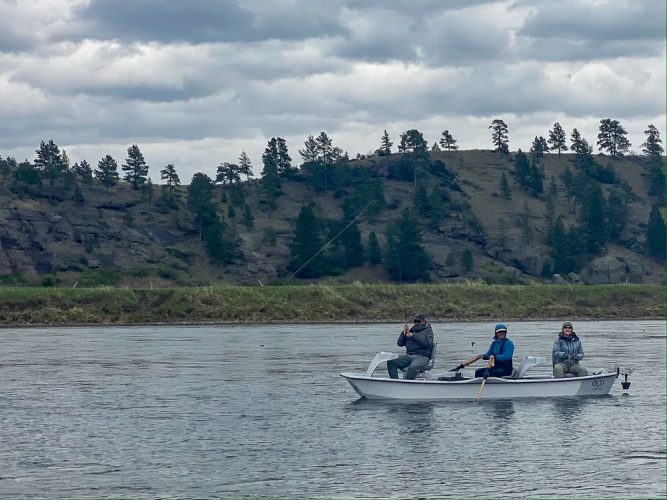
495 388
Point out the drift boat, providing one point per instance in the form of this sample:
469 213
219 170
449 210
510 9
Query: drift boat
443 387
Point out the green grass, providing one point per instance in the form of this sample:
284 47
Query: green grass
326 303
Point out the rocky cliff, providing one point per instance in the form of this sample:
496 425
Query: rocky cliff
121 237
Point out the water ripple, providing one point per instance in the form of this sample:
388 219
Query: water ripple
195 412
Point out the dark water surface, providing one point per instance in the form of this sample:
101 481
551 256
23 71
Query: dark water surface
260 412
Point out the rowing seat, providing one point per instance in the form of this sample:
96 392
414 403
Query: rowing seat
423 374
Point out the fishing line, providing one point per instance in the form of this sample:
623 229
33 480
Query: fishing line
321 249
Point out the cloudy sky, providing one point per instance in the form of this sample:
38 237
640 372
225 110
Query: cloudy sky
195 82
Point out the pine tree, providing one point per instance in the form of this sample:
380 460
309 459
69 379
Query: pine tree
421 202
4 168
200 192
435 147
374 256
227 173
557 138
50 162
385 145
406 258
135 167
447 141
168 173
500 136
655 234
353 249
579 144
656 182
271 184
652 146
534 180
222 241
467 260
25 175
107 172
563 248
539 147
593 224
84 171
77 196
325 148
505 187
307 260
276 153
245 166
436 209
612 138
617 208
656 167
309 153
412 141
522 169
248 218
64 160
283 159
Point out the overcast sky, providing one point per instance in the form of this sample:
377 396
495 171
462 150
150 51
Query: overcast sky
194 83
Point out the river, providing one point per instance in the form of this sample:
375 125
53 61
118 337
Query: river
260 412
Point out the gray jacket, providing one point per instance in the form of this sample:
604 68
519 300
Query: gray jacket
421 342
566 350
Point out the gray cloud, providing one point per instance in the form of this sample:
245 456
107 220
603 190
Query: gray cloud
205 21
196 82
619 20
581 31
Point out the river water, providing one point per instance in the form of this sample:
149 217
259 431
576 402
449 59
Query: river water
261 412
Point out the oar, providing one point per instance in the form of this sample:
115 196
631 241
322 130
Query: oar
486 375
481 387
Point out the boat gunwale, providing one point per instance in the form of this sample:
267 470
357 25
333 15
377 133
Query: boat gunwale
478 380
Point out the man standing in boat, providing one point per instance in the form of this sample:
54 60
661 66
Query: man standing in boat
418 343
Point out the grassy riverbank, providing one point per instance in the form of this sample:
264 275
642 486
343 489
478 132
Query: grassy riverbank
322 303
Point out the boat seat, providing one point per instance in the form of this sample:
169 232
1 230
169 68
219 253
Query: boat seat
429 366
527 363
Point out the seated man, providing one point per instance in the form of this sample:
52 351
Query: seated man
418 342
566 354
499 355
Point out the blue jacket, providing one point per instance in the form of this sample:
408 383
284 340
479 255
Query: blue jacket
565 348
502 351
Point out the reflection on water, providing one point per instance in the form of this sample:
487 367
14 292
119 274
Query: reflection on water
198 413
412 419
499 408
567 410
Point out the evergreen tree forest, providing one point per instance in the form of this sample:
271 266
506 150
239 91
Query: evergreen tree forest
404 213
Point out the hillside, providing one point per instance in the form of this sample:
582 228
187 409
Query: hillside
125 238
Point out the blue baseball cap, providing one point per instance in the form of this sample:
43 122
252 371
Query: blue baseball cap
500 327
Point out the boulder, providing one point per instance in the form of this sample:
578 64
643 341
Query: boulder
606 270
